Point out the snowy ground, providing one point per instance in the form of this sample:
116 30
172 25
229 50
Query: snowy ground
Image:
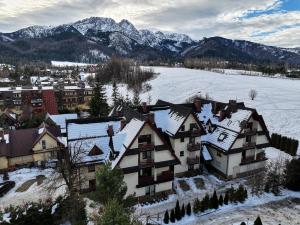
66 63
34 193
277 99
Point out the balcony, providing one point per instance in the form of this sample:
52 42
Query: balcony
195 133
165 176
248 159
146 163
251 159
261 156
249 131
249 145
193 160
193 147
146 180
146 146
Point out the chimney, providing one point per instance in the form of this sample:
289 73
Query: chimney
151 118
123 123
232 106
222 115
144 107
110 130
197 104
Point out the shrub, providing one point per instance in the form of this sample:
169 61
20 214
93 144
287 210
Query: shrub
188 209
166 217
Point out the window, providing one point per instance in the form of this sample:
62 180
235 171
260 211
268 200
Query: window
222 137
181 153
92 185
145 139
146 172
182 139
43 144
150 190
91 168
147 155
190 167
248 139
219 154
193 126
182 128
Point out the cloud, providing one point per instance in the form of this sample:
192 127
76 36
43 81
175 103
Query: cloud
256 20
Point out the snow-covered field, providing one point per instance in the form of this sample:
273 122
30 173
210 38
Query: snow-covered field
66 63
278 100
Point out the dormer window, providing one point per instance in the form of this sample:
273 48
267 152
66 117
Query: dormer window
222 137
95 151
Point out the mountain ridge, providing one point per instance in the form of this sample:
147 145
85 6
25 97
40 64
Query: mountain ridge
97 38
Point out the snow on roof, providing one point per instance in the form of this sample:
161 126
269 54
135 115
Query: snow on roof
98 129
168 120
206 154
124 138
221 137
234 122
206 114
60 120
85 146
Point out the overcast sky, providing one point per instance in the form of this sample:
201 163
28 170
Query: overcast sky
273 22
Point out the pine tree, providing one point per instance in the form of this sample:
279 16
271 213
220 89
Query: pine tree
292 178
258 221
115 94
205 202
226 198
243 223
182 211
196 206
221 200
177 211
172 216
5 176
136 101
98 104
215 201
188 209
166 217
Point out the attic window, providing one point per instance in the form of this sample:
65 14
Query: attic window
222 137
182 128
95 151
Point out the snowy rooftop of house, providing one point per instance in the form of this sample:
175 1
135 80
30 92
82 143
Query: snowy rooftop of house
123 139
220 137
206 114
206 154
235 120
86 130
60 120
85 146
168 120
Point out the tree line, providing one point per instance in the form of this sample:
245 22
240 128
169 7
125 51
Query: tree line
284 143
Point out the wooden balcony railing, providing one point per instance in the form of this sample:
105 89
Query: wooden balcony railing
146 146
146 180
249 131
195 133
251 159
248 159
193 147
261 156
249 145
165 176
146 163
193 160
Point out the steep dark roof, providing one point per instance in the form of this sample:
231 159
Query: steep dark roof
21 141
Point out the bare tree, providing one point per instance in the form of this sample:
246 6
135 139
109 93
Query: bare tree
252 94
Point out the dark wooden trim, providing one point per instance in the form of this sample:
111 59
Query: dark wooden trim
161 148
165 163
238 150
133 169
133 151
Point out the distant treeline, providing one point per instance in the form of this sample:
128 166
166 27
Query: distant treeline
209 63
284 143
126 71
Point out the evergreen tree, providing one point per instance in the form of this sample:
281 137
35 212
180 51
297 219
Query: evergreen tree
182 211
136 101
188 209
205 202
196 206
292 179
226 198
221 200
172 216
114 213
258 221
5 176
239 194
115 94
166 217
215 201
177 211
243 223
98 103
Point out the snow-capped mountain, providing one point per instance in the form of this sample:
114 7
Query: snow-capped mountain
80 41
